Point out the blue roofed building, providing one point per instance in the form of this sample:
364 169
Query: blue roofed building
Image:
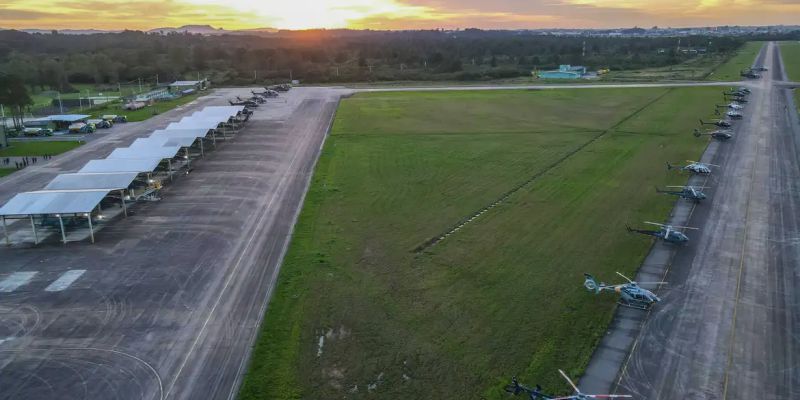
564 71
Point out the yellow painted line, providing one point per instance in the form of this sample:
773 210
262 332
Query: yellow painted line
646 317
739 277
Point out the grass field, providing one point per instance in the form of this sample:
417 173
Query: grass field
142 113
696 68
790 52
6 171
503 295
743 59
38 148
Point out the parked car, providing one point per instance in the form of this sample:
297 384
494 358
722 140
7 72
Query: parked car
37 132
101 123
115 118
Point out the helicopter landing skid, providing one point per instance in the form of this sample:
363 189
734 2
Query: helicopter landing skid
638 306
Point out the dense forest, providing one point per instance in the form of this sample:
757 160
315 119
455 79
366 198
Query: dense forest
54 61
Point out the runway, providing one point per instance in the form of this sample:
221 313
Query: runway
167 303
728 326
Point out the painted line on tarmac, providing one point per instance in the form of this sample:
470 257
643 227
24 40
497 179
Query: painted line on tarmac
15 280
65 280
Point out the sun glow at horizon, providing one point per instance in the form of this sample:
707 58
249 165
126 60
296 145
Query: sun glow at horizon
390 14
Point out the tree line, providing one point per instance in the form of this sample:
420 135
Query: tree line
55 61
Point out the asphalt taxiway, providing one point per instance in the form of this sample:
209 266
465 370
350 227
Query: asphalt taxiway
728 326
167 303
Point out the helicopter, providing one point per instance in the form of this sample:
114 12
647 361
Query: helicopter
516 388
732 106
246 103
694 167
256 99
631 294
667 233
750 73
687 192
735 98
721 123
732 114
265 93
719 134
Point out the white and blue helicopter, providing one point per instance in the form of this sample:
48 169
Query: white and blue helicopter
694 167
630 294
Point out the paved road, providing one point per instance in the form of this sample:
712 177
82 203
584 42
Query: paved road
729 323
168 302
550 86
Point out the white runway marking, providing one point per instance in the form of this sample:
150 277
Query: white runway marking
65 280
15 280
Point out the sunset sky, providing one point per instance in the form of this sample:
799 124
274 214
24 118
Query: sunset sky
392 14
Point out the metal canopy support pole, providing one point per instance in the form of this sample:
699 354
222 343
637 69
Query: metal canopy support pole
5 231
214 138
33 225
124 206
169 165
91 230
188 158
202 153
63 234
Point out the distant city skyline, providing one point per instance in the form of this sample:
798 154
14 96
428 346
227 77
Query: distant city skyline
392 14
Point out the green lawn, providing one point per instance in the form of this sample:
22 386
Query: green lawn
696 68
38 148
744 58
790 52
143 113
501 296
6 171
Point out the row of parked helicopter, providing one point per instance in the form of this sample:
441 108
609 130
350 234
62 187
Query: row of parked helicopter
260 97
631 294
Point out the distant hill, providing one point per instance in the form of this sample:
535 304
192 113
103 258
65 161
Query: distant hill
68 31
195 29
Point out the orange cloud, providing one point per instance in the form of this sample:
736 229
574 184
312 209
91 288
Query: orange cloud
391 14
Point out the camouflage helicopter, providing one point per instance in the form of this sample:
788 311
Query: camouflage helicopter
720 123
667 233
719 134
630 294
692 193
694 167
535 394
735 98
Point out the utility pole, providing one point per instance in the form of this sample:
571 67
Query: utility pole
3 138
291 78
60 105
583 51
255 75
140 85
156 79
119 89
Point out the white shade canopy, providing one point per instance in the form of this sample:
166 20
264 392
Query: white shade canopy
108 181
145 152
162 141
122 165
174 133
53 202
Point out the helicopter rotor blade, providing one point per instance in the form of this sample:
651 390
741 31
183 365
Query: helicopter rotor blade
684 227
654 223
569 381
626 278
651 283
608 396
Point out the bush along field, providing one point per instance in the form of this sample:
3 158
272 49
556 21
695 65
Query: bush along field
364 308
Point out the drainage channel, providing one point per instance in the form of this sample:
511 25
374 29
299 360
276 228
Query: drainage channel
505 196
